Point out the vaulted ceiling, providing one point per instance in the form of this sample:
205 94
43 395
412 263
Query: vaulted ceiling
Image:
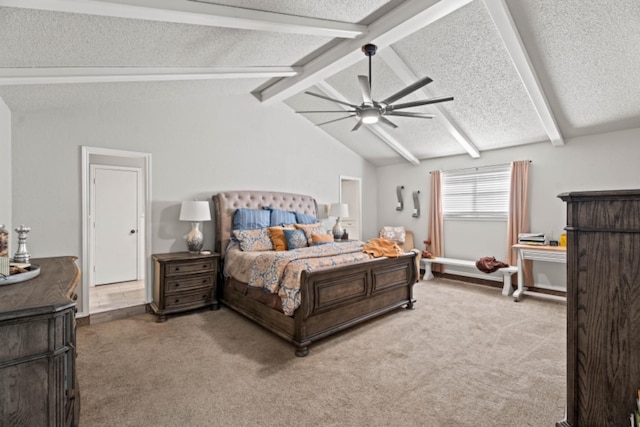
520 71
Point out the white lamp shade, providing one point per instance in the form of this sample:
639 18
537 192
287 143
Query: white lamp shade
195 211
340 210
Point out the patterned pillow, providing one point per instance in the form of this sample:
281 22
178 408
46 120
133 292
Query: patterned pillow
280 217
250 219
309 229
277 237
254 240
395 234
321 239
295 239
305 219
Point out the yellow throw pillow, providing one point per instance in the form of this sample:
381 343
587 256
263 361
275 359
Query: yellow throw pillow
321 239
278 239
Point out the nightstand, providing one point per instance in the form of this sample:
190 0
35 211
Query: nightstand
184 281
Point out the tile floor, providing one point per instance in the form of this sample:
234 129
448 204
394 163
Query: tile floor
116 296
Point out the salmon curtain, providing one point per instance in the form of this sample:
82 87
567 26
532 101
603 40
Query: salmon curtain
518 221
436 222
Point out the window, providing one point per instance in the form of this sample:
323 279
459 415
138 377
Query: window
476 193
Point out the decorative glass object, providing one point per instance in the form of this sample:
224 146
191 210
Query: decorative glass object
22 254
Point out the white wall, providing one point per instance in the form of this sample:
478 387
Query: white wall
5 170
198 148
598 162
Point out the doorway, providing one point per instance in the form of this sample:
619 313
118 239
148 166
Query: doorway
351 194
116 226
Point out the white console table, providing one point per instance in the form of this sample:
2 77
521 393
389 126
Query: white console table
536 253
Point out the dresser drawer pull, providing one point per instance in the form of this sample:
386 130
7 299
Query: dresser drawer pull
177 268
177 300
177 284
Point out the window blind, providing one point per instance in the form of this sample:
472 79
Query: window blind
476 193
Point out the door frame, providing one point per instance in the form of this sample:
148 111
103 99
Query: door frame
139 220
145 225
357 180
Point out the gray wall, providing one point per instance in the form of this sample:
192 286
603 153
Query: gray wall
597 162
198 148
5 168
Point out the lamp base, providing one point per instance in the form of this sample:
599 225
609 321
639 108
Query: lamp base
195 239
337 230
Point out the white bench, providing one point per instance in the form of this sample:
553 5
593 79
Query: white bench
506 272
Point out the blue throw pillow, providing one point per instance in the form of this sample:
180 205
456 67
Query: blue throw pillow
305 219
295 239
280 217
250 219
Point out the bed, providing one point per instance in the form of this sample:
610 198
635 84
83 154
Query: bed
331 299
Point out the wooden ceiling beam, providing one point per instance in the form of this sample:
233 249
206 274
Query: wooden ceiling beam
197 13
409 17
503 20
63 75
401 69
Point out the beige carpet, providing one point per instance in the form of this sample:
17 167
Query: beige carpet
466 356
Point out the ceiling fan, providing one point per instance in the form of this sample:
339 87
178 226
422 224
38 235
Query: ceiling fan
371 111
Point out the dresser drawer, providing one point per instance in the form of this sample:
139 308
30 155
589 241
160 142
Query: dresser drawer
177 268
190 298
179 284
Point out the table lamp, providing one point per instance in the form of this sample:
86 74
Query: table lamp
338 210
195 212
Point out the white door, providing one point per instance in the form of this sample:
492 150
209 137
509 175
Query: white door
115 218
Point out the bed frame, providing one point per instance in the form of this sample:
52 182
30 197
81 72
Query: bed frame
331 299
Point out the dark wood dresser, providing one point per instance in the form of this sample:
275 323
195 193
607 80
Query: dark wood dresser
38 385
603 307
184 281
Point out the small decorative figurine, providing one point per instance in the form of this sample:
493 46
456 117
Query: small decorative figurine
22 255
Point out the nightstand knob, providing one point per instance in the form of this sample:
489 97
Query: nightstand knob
177 268
204 281
177 284
177 300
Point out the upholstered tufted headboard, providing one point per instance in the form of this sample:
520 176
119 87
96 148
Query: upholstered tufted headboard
226 203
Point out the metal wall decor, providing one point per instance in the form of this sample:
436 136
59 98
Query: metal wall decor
416 204
400 204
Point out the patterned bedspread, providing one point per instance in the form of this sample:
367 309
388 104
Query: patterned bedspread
279 271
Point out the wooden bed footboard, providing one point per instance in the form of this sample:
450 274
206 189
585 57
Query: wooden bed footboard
335 299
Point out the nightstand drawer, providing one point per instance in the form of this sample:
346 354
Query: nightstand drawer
176 268
177 284
191 298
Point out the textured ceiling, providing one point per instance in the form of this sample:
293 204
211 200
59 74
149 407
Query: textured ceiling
521 71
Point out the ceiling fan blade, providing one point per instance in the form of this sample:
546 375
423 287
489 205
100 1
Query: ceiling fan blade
331 99
328 111
335 120
418 103
365 89
407 90
357 126
408 114
387 122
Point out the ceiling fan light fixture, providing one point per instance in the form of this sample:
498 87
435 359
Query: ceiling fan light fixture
369 116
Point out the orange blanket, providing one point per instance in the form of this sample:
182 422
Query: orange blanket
380 247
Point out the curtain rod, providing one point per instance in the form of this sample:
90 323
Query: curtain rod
479 167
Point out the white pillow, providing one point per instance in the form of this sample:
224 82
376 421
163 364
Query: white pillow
395 234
